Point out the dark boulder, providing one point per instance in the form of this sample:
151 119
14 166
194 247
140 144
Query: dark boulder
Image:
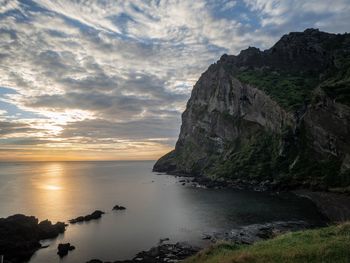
63 249
119 207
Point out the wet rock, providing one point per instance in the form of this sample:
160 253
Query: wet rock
119 207
161 254
206 237
63 249
237 184
256 232
20 236
95 215
46 229
162 240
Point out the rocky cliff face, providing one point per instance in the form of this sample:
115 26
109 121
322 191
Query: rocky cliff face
280 115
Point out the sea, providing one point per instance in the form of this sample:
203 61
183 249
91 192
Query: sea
158 206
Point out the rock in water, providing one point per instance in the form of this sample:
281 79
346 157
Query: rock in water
48 231
119 207
95 215
280 115
63 249
20 236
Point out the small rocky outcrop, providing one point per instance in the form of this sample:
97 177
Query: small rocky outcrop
63 249
119 208
160 254
20 236
93 216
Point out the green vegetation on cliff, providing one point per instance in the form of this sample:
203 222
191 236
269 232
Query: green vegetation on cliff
253 157
337 85
330 244
290 90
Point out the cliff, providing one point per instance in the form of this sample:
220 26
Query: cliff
280 116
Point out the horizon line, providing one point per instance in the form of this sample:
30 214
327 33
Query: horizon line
45 161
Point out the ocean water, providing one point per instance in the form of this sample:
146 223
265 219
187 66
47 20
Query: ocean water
158 206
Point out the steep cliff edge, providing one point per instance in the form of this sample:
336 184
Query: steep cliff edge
281 115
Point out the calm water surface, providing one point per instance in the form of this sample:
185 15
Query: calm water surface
158 206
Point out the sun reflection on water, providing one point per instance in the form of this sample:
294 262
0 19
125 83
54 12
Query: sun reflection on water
52 177
52 187
50 190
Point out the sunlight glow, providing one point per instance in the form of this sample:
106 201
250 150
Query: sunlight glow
52 187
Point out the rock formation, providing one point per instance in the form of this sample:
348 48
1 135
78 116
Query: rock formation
63 249
93 216
281 115
20 236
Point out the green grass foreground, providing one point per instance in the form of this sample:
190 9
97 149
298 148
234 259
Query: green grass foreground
329 244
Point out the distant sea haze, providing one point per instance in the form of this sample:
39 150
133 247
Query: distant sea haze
158 206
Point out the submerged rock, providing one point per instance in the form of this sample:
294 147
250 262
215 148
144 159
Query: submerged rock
95 215
20 236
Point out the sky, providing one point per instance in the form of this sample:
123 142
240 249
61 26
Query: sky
109 79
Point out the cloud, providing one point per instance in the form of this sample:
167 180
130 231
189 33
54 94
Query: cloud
148 128
11 128
91 71
294 15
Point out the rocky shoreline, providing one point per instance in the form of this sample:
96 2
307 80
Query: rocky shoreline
256 232
242 184
335 207
163 253
237 184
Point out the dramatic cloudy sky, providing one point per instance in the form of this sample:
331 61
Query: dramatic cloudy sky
108 79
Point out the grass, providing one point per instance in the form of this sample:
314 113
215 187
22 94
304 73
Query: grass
329 244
